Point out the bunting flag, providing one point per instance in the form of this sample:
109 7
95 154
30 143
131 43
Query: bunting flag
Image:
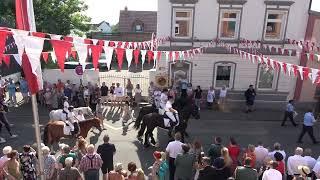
150 56
82 50
136 54
96 53
108 53
129 56
6 60
61 48
45 56
39 34
3 38
120 56
18 59
143 56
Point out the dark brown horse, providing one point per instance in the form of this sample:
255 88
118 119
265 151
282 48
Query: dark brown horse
53 131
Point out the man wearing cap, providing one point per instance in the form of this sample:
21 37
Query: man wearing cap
172 150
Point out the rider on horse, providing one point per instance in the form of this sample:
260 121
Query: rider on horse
163 101
71 120
171 113
156 98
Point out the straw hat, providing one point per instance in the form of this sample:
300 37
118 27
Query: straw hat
304 170
118 167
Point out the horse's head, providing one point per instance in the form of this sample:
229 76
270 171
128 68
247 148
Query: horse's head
96 122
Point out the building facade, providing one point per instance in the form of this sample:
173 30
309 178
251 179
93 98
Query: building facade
194 23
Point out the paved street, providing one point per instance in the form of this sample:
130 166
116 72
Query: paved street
246 128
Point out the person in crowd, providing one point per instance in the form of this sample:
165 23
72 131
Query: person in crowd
49 162
4 121
304 173
117 173
289 113
272 173
69 172
129 88
126 115
81 148
5 151
185 163
11 167
60 85
154 175
184 87
210 98
277 148
99 110
261 153
112 88
132 168
104 93
3 85
28 161
222 98
24 89
151 90
90 164
250 96
172 92
140 174
198 96
316 170
234 152
48 99
118 92
196 149
55 97
12 92
309 159
215 149
308 123
67 153
137 94
222 171
94 100
189 90
279 159
226 157
250 153
265 166
106 151
163 99
295 161
207 172
68 92
164 167
86 95
171 113
246 172
172 150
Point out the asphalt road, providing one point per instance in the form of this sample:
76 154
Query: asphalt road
246 128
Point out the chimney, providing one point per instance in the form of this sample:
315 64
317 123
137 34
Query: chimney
126 8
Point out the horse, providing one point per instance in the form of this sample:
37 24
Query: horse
53 131
56 114
152 120
144 111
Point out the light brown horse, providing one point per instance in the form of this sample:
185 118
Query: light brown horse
53 131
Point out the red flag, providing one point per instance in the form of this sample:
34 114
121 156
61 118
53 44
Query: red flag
88 41
61 48
101 43
119 44
39 34
30 77
68 38
120 55
96 53
177 55
6 60
284 65
306 72
3 38
111 44
150 56
170 55
45 56
295 70
126 45
159 55
74 54
136 54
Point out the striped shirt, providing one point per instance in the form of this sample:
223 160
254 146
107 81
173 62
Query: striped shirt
90 161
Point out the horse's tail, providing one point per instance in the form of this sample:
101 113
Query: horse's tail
45 135
138 120
143 127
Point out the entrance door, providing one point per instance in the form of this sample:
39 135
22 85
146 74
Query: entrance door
180 70
223 76
267 78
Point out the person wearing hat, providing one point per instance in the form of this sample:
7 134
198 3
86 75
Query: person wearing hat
171 113
117 173
163 100
246 172
156 166
70 120
304 172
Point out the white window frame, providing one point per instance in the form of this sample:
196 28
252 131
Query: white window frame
136 30
190 19
237 20
283 22
232 72
274 81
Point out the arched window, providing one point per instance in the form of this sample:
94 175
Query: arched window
138 26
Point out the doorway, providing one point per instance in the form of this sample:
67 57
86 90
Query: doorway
224 75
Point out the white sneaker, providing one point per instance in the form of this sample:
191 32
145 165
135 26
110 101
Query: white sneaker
13 136
2 140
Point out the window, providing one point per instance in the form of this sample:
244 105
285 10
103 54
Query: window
229 24
182 23
138 28
275 25
266 78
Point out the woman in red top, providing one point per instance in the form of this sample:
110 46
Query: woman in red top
281 166
234 152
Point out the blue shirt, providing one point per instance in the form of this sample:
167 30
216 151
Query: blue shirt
290 107
23 86
308 119
12 88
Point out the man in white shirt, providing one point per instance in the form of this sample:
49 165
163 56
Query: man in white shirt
172 150
295 161
277 148
272 173
316 169
163 100
171 113
70 120
309 159
118 91
261 153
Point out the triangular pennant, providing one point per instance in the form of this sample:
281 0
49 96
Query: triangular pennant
112 44
39 34
61 48
45 56
120 56
306 72
55 36
53 57
87 41
101 43
314 75
167 55
159 53
176 55
96 53
143 56
6 60
300 70
106 43
82 50
129 55
108 53
150 56
68 38
3 38
136 54
171 56
17 58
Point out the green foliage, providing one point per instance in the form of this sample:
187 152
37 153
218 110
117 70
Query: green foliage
7 15
115 28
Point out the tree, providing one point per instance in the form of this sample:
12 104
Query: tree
53 16
115 28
